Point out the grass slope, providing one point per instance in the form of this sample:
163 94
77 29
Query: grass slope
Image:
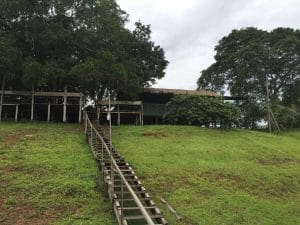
217 177
48 176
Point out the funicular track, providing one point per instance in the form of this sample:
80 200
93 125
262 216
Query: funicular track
131 203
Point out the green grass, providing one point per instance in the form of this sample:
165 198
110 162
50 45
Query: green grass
215 176
48 176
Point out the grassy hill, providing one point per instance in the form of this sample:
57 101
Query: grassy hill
48 176
217 177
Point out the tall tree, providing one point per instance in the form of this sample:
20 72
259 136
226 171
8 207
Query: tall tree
80 43
247 57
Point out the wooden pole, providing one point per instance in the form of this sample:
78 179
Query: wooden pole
80 110
98 113
140 118
178 217
16 113
119 116
110 141
65 105
142 115
268 104
49 111
2 96
85 123
32 104
275 121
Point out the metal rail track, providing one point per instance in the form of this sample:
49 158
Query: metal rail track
130 201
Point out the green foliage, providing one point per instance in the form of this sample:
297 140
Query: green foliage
246 57
68 42
9 59
252 112
286 116
33 73
199 110
217 176
151 59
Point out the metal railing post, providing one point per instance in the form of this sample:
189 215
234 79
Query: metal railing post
85 122
114 166
112 178
122 202
91 140
102 152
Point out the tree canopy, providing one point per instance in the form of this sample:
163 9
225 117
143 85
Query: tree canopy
245 57
248 59
79 43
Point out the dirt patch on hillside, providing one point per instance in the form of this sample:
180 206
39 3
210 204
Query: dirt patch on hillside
17 136
28 215
277 161
222 178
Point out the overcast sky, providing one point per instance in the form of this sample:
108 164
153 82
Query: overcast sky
188 30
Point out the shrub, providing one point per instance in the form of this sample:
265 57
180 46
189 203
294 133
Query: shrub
199 110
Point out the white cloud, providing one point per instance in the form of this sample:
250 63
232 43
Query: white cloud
188 30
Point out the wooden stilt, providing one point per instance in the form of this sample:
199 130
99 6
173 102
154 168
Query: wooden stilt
98 113
140 118
49 111
32 104
119 116
2 96
142 108
80 110
17 112
65 105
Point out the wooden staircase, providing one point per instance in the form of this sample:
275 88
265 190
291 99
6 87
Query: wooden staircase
131 203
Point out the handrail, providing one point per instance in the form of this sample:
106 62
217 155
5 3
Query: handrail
120 173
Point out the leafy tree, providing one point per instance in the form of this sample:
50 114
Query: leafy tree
199 110
287 117
150 58
251 113
9 59
247 57
82 44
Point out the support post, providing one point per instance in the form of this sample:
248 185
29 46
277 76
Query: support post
98 113
268 105
2 96
80 110
32 104
140 122
65 105
142 114
110 138
85 123
119 116
49 111
17 112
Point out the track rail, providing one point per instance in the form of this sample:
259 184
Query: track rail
131 203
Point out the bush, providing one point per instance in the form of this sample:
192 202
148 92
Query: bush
287 117
199 110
